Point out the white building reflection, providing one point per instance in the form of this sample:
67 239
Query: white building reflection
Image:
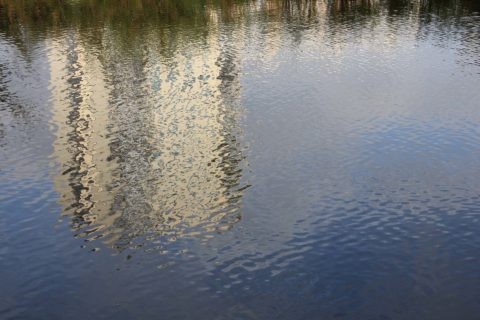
147 145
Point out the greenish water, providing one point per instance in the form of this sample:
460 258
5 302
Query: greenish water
239 159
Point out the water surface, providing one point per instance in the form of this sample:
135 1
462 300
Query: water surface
239 159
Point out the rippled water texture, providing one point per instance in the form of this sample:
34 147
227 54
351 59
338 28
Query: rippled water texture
268 159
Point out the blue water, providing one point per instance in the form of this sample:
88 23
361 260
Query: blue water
239 160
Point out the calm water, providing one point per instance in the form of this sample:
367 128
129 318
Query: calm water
267 159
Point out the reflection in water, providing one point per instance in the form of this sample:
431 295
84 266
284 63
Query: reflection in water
143 124
150 145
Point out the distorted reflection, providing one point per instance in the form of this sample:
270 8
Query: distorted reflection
146 97
150 145
247 159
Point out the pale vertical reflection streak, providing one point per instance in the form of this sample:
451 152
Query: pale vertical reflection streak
146 146
80 110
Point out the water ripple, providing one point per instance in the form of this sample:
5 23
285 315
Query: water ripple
248 160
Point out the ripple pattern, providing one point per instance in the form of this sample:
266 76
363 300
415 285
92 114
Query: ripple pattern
239 160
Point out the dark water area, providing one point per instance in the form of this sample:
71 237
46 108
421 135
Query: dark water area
270 159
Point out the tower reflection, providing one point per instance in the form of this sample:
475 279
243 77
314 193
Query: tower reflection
148 145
